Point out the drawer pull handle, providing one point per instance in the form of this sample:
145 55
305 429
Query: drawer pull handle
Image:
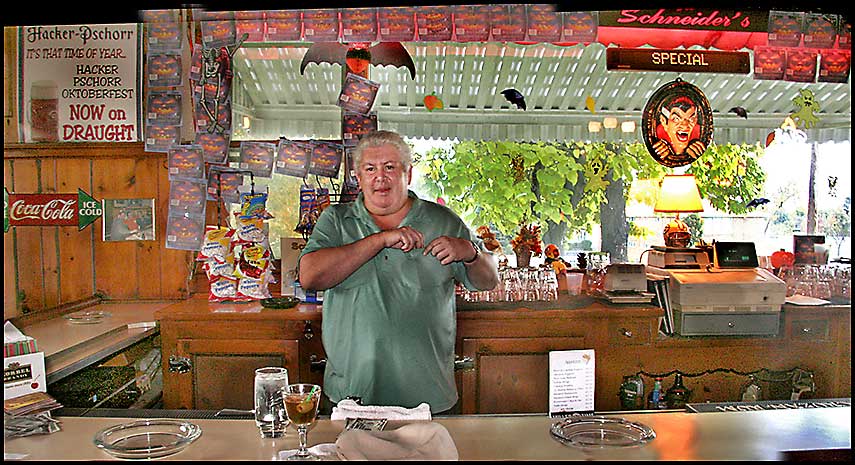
626 332
806 329
179 364
317 364
463 363
308 333
730 324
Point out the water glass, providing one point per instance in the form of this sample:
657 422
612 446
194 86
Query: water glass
270 386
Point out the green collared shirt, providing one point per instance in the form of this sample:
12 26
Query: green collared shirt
389 328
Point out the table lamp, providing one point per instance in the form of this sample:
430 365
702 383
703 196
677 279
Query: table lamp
678 194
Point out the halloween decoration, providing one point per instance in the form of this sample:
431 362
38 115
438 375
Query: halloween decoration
807 107
553 258
739 112
677 124
589 104
432 102
514 96
217 72
490 242
383 53
757 202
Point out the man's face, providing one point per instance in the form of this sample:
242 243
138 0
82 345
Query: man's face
679 126
383 179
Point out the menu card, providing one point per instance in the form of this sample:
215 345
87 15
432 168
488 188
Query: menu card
571 382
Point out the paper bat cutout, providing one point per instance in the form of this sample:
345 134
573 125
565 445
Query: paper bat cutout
739 112
514 96
757 202
383 53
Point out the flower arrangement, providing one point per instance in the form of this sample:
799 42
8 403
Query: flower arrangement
527 238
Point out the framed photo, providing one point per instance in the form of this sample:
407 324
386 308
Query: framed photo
128 220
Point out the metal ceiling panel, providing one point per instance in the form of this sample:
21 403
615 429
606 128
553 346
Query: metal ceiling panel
469 78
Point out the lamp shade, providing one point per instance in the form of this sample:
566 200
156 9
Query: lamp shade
678 194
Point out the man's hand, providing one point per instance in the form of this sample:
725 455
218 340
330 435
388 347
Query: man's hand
404 238
662 149
450 249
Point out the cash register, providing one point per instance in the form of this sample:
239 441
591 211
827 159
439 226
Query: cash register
728 296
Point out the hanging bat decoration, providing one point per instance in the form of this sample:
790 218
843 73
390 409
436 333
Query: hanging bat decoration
514 96
832 186
739 112
756 203
359 55
217 66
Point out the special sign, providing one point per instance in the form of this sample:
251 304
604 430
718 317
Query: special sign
79 210
694 61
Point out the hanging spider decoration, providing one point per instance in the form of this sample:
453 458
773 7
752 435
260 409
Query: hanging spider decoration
217 66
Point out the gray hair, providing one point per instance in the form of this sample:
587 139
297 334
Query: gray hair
379 138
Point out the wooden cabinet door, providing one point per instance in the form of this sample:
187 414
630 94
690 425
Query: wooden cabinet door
511 375
223 371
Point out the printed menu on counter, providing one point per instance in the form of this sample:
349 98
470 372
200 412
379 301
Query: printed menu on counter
571 382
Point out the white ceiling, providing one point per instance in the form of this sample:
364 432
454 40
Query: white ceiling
469 77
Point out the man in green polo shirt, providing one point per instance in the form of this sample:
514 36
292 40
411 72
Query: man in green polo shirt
388 264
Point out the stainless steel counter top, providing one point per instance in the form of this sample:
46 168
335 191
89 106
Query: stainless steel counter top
744 435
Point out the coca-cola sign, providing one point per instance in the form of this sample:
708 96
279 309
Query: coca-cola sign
79 209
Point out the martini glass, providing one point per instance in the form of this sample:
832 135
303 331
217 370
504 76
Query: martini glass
301 405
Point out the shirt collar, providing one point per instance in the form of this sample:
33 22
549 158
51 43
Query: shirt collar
359 211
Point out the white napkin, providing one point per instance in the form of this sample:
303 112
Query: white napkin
350 409
413 441
326 451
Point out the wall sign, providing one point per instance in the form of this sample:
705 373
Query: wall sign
79 83
78 209
693 61
711 19
677 124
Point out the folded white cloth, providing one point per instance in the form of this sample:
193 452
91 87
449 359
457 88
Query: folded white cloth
326 451
350 409
413 441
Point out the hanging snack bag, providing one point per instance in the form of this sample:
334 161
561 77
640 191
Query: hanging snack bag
253 263
217 243
250 230
254 205
216 269
223 288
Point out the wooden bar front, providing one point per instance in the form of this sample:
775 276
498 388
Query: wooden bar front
508 344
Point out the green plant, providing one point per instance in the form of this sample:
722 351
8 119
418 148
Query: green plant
729 176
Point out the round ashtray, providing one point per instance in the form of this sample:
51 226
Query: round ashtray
147 439
87 317
280 302
601 432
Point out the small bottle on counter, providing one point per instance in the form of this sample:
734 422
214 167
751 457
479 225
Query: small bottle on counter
677 394
654 399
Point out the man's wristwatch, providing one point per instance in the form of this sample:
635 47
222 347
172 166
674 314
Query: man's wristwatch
477 253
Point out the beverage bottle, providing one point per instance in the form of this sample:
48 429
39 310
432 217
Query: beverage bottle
654 399
678 394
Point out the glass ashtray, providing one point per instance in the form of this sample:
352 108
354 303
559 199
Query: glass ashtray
147 439
595 432
87 317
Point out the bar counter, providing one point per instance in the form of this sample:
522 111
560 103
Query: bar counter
740 435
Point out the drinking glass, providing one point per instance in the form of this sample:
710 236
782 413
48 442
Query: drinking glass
301 404
270 385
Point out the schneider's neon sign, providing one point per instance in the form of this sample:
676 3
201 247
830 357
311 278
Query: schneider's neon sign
688 18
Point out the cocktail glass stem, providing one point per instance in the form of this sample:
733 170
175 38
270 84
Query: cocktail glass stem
303 452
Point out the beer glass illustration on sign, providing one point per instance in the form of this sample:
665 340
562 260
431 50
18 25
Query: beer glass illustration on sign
43 109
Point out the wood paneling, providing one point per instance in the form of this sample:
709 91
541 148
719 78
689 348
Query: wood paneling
48 267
